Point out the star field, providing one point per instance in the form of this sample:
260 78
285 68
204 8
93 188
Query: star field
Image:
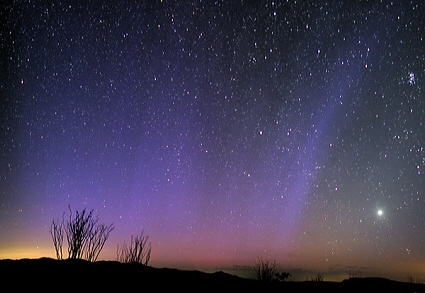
228 130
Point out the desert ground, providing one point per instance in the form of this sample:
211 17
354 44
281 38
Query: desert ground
52 275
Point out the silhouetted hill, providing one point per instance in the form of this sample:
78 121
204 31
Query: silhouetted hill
53 275
381 285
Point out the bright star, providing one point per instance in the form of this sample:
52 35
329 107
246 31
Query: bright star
380 212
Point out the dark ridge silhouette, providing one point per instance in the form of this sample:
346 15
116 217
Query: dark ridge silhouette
75 274
381 285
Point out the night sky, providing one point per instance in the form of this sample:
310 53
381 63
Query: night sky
227 130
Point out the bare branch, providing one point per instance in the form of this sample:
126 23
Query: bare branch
97 240
139 250
85 237
56 230
266 270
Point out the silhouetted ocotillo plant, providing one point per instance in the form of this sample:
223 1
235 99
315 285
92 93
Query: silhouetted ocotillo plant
265 269
139 250
84 235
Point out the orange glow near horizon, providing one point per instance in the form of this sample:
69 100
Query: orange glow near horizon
305 266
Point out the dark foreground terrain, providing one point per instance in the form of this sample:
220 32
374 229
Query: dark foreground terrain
53 275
